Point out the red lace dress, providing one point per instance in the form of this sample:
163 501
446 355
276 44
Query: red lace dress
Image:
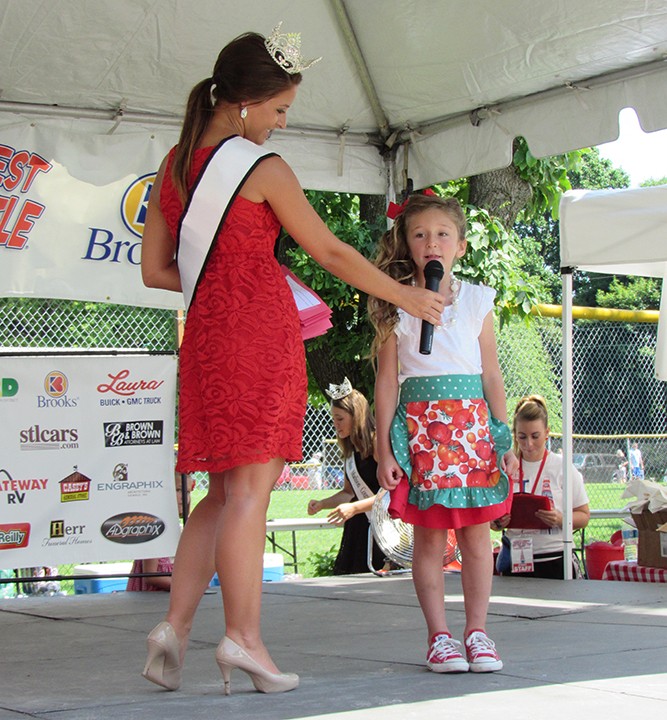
242 375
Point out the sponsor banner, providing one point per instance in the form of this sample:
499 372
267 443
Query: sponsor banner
142 432
83 479
72 214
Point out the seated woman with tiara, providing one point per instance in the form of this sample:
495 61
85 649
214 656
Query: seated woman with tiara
351 506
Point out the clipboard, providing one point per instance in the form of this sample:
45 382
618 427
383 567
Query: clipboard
524 506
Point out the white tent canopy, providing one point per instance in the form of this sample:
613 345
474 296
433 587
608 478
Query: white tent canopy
454 82
623 232
620 232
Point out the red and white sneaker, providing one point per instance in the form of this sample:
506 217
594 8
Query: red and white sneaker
444 656
481 652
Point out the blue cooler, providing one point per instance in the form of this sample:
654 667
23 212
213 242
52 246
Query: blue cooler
273 567
101 585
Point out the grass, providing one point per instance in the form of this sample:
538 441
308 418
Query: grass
315 543
309 543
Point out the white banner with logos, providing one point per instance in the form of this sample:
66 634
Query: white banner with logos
87 459
72 209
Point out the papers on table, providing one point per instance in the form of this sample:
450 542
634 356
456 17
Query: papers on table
313 313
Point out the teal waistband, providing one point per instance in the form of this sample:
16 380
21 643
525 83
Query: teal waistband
441 387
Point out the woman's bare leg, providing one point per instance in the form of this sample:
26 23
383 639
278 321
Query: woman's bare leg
239 554
428 576
194 563
476 573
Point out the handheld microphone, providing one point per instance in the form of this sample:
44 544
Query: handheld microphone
433 274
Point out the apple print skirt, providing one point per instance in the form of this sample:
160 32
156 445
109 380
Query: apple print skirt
450 451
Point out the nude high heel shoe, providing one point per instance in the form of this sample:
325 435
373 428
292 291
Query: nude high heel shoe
229 655
163 666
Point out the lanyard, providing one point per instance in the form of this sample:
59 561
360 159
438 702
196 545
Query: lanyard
539 473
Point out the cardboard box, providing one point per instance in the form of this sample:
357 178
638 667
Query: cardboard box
652 550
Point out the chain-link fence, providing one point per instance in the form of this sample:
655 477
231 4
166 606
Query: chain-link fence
617 400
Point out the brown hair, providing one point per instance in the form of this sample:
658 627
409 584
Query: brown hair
362 437
394 258
244 72
529 409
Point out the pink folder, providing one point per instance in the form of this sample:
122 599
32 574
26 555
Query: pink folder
313 313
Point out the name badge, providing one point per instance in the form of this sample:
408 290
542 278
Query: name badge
522 555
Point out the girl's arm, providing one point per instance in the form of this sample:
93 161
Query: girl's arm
342 496
386 399
158 248
347 510
274 181
493 386
161 583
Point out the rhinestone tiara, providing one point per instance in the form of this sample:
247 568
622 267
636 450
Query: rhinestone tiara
338 392
285 49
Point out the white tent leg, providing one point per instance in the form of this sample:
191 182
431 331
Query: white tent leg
566 274
390 192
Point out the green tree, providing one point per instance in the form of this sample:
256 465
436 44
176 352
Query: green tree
342 352
540 238
523 268
652 182
638 293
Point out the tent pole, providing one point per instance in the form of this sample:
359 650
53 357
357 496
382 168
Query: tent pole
390 169
359 61
566 275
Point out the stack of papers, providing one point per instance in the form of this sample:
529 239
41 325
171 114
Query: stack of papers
647 492
313 313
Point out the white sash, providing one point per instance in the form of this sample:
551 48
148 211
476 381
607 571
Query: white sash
361 490
213 193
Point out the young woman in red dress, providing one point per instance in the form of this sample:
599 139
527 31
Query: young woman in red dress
242 365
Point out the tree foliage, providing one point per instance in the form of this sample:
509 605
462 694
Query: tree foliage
520 260
342 351
637 293
540 238
491 258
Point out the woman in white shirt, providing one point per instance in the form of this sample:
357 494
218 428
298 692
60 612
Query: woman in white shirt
539 553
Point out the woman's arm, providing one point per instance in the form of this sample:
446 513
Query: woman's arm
274 181
493 386
580 517
386 399
158 261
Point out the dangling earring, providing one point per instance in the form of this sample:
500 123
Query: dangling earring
244 113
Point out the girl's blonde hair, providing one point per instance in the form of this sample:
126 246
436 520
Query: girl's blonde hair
394 258
362 437
528 409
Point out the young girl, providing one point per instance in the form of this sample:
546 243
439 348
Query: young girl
445 450
541 473
352 505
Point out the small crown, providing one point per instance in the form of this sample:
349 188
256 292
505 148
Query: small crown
286 51
338 392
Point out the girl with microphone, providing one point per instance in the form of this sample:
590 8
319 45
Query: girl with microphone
444 448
